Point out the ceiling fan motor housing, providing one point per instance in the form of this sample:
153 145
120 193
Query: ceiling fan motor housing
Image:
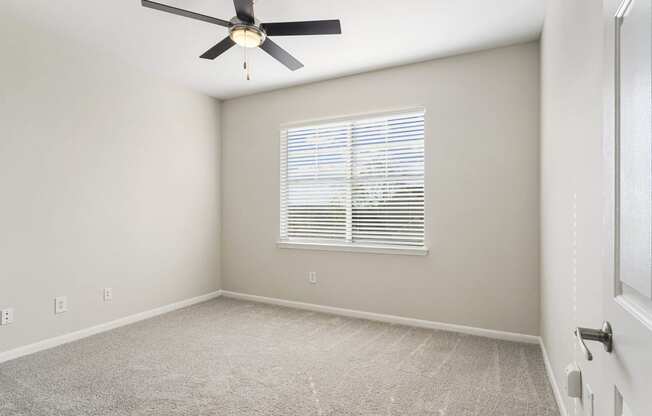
246 34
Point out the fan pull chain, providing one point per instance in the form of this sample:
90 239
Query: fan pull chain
245 66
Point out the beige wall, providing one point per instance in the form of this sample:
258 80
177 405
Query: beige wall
571 184
108 178
482 154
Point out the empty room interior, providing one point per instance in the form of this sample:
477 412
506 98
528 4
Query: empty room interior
284 207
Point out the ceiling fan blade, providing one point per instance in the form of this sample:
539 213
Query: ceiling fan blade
315 27
223 46
184 13
244 9
281 55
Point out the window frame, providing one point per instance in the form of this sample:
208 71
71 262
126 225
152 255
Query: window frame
314 244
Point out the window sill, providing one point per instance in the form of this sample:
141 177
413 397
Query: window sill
408 251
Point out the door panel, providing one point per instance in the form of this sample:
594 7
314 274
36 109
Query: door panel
634 55
628 160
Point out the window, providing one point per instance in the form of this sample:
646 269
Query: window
354 184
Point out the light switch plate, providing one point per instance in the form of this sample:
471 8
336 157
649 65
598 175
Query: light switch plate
60 304
108 294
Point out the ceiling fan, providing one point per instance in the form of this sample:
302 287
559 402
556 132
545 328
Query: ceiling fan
247 31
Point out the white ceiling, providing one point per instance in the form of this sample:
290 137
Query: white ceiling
376 34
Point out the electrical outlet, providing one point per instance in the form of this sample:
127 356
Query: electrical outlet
108 294
60 304
7 316
312 277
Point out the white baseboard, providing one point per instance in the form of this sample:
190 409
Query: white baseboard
87 332
553 381
489 333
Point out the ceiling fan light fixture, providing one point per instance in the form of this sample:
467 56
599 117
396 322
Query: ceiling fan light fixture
247 36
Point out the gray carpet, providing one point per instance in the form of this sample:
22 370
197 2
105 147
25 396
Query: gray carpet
228 357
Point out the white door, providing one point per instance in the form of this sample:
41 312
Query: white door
628 150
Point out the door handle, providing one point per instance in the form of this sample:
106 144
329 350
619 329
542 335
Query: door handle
604 335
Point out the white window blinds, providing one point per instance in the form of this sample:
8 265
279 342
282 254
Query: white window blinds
354 182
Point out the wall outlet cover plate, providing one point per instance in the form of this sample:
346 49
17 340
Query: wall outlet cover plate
60 304
7 316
